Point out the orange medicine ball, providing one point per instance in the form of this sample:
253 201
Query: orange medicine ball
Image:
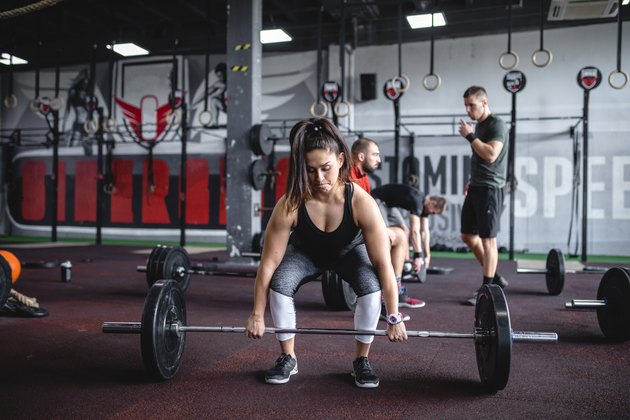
14 263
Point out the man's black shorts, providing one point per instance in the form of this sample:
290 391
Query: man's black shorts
481 213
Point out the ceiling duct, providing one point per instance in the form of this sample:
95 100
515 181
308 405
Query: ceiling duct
582 9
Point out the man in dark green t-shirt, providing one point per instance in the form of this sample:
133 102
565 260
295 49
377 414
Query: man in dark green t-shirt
481 212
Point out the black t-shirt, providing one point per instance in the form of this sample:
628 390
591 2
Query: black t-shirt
403 196
487 174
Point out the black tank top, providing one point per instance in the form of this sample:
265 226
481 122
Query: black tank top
324 246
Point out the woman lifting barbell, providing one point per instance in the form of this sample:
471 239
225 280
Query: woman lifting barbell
335 226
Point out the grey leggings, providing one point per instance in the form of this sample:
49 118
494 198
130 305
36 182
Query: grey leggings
297 268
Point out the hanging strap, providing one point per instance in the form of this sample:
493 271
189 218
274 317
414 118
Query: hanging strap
542 57
509 52
432 81
618 79
319 108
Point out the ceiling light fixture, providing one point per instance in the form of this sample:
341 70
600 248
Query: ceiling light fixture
424 20
270 36
8 59
128 49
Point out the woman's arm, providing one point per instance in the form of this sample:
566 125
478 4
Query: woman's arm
275 244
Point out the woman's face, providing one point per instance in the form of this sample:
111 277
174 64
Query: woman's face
322 167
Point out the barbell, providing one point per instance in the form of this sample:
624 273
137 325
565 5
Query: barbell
554 271
612 304
163 333
173 263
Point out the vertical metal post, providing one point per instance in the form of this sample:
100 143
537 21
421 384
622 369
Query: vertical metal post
511 175
585 180
55 174
99 177
182 176
396 139
244 53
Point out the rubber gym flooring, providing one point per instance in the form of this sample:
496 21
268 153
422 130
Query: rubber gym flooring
62 366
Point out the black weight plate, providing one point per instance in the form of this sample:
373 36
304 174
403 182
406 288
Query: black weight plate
554 275
5 281
494 350
175 264
153 261
162 348
259 138
338 295
256 174
614 318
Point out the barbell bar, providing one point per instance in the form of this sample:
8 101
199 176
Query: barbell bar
612 304
163 333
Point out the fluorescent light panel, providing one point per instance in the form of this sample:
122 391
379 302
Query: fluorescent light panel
424 21
7 59
270 36
625 2
128 49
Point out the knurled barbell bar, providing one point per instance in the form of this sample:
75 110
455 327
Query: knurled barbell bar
612 304
163 333
554 271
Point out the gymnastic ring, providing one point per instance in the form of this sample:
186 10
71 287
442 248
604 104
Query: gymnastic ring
206 118
110 125
507 54
624 77
90 126
405 83
319 104
428 77
10 101
173 117
338 106
34 105
542 51
56 103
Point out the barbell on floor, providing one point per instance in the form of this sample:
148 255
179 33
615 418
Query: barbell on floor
163 333
173 262
612 304
554 271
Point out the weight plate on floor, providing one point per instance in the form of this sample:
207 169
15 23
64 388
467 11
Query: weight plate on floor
5 281
175 264
554 275
162 348
338 294
153 262
494 348
614 318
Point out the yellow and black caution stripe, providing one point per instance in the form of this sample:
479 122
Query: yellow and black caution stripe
245 46
240 68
